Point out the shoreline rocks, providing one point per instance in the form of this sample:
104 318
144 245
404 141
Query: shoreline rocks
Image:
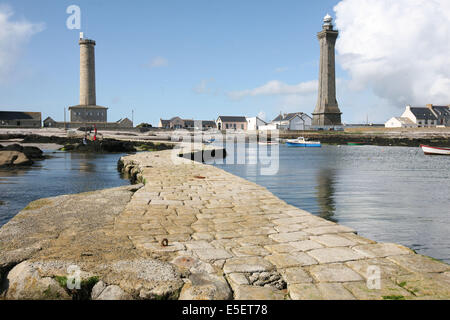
17 155
76 145
14 158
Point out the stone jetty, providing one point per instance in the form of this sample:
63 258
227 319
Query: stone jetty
193 231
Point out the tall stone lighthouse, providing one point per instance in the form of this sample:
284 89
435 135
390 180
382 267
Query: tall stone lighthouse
87 110
327 113
87 72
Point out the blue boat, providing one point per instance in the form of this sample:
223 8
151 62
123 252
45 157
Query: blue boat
302 142
209 141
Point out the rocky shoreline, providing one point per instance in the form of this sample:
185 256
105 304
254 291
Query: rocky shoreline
17 155
75 144
193 231
369 139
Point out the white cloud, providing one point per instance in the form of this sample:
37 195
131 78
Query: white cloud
399 49
202 87
276 87
158 62
14 35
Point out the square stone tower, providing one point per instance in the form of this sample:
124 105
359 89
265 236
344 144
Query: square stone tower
327 112
87 110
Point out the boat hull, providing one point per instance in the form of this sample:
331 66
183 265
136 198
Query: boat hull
435 150
302 144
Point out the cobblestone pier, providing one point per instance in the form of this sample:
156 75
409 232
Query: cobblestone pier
213 235
264 247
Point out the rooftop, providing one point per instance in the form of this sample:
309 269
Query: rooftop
423 113
233 118
87 107
19 115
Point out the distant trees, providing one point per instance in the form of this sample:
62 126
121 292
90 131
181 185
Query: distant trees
144 125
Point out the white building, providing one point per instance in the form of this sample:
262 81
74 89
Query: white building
269 127
423 117
290 121
429 116
399 122
255 123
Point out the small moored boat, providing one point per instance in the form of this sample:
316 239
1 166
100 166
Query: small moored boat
268 143
435 150
302 142
209 141
355 143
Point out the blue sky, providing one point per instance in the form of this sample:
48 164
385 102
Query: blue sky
177 57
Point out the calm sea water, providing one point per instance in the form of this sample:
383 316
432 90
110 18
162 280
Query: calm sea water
64 173
388 194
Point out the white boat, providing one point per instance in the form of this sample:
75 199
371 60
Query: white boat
435 150
302 142
268 143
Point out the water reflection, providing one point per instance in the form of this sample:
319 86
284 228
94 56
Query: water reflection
86 162
64 173
325 193
7 172
388 194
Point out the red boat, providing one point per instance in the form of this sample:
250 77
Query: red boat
435 150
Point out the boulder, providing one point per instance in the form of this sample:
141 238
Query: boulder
101 146
144 278
14 158
113 293
24 282
33 153
206 287
97 290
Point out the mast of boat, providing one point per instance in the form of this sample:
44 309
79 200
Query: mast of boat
280 119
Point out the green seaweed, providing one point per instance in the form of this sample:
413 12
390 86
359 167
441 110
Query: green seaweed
62 280
86 285
38 204
50 294
394 297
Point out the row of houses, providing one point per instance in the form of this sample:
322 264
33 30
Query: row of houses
418 117
119 124
20 119
287 121
178 123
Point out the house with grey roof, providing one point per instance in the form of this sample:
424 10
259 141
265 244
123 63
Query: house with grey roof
178 123
20 119
232 123
442 114
292 121
422 116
